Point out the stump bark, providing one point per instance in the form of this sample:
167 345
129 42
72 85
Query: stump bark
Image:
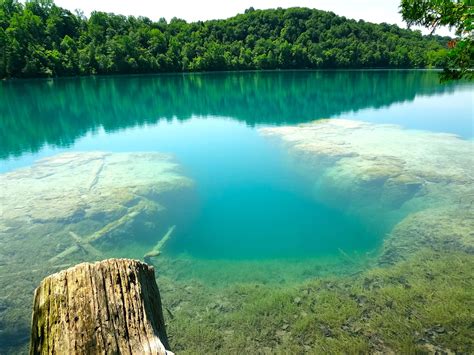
112 306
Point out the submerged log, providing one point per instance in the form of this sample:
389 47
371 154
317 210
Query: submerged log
85 244
112 306
156 251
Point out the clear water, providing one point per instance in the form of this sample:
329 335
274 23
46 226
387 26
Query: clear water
254 217
251 203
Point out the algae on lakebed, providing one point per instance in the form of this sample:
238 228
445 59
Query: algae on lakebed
421 305
77 207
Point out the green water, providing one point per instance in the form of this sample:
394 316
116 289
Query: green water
250 208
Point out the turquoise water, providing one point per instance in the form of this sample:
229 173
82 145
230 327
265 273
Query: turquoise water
254 213
250 203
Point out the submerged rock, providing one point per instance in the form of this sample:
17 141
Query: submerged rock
77 207
74 186
443 228
76 198
420 182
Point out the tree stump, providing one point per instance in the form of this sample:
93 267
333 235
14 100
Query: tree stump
112 306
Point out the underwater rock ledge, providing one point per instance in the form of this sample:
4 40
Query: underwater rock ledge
420 183
73 200
76 207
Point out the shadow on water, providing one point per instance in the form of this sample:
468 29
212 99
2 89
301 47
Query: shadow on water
57 112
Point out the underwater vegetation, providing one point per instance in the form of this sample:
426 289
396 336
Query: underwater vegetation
421 305
77 207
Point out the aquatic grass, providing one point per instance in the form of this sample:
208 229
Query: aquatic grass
220 273
423 304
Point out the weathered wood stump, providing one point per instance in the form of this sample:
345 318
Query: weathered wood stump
112 306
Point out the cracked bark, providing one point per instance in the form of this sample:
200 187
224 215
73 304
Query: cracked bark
109 307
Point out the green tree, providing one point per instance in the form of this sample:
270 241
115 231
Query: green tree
38 38
457 15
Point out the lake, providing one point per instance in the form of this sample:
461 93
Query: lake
267 178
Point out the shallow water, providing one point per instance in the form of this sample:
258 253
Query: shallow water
254 212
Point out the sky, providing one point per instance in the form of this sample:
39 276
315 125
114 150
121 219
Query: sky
194 10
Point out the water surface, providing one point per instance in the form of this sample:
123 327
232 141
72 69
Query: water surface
251 204
251 207
36 113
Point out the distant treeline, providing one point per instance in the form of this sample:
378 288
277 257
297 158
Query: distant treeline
40 39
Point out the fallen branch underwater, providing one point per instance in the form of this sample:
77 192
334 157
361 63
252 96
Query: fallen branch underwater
157 248
85 244
346 257
80 244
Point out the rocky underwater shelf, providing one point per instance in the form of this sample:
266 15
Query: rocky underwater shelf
76 207
422 183
413 294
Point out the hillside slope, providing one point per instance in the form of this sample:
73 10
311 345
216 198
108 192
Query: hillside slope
40 39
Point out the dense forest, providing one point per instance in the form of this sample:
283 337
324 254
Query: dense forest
39 38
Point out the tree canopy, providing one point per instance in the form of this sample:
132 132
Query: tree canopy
457 15
40 39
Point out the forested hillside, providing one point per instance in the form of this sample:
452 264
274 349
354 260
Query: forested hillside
41 39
